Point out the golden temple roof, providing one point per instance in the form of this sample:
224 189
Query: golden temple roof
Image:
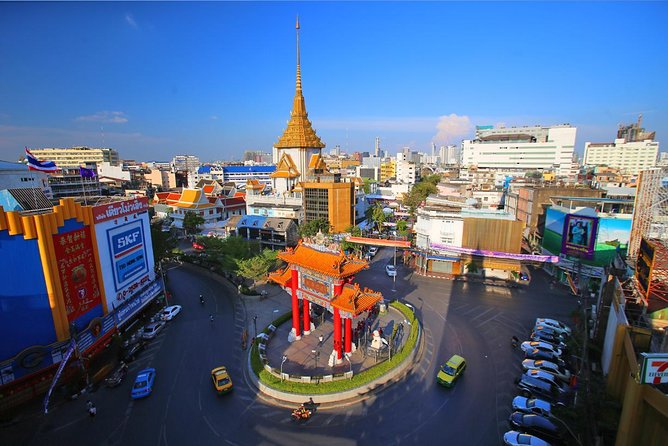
354 300
285 168
300 132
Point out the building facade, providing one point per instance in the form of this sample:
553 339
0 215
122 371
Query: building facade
74 157
526 148
630 157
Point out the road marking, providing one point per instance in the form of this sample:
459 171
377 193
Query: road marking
211 426
482 314
329 420
68 424
434 311
472 310
486 321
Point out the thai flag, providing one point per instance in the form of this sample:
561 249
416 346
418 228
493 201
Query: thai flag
42 166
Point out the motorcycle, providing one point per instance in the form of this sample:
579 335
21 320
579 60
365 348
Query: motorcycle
301 414
201 299
117 376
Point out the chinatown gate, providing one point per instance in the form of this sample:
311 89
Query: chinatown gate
323 276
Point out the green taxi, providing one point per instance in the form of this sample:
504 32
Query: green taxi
221 380
451 370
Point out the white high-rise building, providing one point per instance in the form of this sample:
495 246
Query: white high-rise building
406 172
530 148
628 157
448 155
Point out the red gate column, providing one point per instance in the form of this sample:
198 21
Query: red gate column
294 283
348 335
337 335
338 286
307 317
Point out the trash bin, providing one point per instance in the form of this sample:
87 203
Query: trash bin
382 306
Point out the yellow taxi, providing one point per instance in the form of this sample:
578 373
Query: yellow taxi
451 370
221 380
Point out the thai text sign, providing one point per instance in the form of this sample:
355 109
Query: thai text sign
77 272
121 209
654 368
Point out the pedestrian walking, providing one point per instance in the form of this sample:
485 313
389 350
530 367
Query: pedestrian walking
320 339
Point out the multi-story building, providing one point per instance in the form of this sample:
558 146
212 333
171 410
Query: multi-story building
70 183
527 148
74 157
628 156
448 155
161 178
406 172
185 163
388 169
257 156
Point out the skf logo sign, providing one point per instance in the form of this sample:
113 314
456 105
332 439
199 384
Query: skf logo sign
654 368
127 241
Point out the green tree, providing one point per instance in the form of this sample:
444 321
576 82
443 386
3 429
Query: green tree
192 221
367 185
378 216
311 228
162 242
256 268
402 227
227 251
420 192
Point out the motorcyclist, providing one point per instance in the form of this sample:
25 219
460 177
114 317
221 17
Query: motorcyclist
211 317
201 299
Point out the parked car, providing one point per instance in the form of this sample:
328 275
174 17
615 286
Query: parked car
532 405
529 346
548 331
116 377
373 251
221 380
557 326
542 336
168 313
451 370
545 355
152 330
143 385
515 438
548 378
560 372
535 388
391 270
537 425
130 352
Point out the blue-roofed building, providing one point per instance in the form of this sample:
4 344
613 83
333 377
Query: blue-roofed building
240 174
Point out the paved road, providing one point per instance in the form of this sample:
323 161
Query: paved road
470 319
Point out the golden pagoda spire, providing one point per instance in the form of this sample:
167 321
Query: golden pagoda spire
299 132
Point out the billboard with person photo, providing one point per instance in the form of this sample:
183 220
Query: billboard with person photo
579 236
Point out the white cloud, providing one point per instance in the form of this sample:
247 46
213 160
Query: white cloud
452 128
109 117
130 20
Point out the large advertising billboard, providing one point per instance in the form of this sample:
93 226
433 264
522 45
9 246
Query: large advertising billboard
124 243
579 236
610 235
77 271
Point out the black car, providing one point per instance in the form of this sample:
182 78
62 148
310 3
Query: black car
542 427
132 350
116 377
536 388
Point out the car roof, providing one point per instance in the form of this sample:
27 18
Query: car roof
456 360
533 382
537 420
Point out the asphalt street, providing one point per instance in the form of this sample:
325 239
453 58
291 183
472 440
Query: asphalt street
470 319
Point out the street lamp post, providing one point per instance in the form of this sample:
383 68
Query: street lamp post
394 278
316 355
255 324
162 276
285 358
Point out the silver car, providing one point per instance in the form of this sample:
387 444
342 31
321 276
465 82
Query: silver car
529 346
532 405
152 330
560 372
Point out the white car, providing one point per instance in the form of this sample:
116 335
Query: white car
515 438
555 325
152 330
539 364
391 270
373 251
530 346
168 313
532 405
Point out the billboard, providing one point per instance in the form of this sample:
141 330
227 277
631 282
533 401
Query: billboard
124 246
654 368
611 235
77 272
579 236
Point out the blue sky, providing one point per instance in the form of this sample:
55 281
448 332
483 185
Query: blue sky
214 79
